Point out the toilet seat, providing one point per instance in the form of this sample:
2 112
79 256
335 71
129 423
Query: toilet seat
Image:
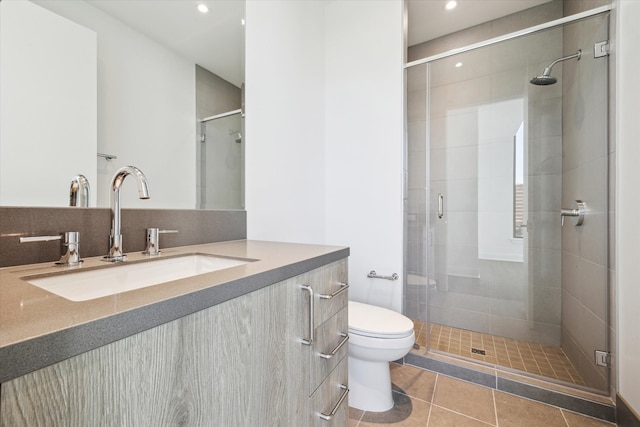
377 322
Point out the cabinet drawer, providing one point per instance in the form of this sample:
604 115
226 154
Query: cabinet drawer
326 283
331 399
329 348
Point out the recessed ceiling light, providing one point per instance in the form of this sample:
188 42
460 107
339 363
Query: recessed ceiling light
458 64
451 5
203 8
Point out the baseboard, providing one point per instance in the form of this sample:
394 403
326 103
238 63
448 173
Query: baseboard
625 415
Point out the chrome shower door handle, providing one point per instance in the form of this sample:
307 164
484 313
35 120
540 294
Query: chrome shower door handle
440 205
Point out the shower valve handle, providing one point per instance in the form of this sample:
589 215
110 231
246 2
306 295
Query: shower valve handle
577 211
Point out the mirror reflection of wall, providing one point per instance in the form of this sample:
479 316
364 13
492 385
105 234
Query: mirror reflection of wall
146 97
48 105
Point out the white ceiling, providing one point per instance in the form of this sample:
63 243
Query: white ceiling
428 19
214 40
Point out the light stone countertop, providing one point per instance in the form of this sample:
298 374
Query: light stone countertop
38 328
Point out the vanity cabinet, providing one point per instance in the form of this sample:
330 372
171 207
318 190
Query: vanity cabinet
238 363
328 373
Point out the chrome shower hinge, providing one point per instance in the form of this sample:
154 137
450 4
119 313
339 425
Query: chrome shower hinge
601 49
603 358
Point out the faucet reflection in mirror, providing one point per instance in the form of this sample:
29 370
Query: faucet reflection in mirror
115 252
79 192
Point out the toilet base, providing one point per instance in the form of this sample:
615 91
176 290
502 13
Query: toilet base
370 385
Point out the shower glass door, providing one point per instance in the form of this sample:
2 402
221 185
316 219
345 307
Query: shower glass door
220 163
492 274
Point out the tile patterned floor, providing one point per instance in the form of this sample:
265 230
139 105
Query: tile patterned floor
547 361
427 399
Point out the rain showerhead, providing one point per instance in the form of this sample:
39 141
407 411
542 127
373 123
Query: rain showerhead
545 78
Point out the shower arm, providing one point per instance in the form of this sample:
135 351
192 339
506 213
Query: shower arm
547 70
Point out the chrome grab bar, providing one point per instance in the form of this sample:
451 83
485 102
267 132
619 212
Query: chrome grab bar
311 321
337 405
343 287
343 341
440 205
373 275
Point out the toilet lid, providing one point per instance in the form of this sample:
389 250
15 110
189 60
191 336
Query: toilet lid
377 322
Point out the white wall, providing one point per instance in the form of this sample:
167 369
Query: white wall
48 112
628 200
364 143
324 132
146 111
284 94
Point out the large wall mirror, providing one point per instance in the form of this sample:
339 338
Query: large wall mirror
89 86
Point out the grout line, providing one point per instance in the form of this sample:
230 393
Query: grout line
495 406
435 385
428 415
433 395
464 415
564 418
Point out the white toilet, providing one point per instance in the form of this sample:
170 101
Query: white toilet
377 336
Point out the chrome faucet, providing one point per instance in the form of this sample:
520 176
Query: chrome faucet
79 191
115 252
70 241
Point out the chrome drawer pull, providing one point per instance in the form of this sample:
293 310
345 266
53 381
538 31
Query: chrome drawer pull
335 408
311 321
343 288
345 338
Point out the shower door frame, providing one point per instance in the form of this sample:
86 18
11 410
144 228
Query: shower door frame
427 61
536 28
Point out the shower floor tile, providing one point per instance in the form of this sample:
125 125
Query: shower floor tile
547 361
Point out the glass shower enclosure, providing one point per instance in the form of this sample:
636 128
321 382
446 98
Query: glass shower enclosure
507 205
220 162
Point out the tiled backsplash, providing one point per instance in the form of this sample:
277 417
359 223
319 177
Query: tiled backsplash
94 224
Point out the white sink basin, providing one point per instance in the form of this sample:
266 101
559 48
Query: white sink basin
87 285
